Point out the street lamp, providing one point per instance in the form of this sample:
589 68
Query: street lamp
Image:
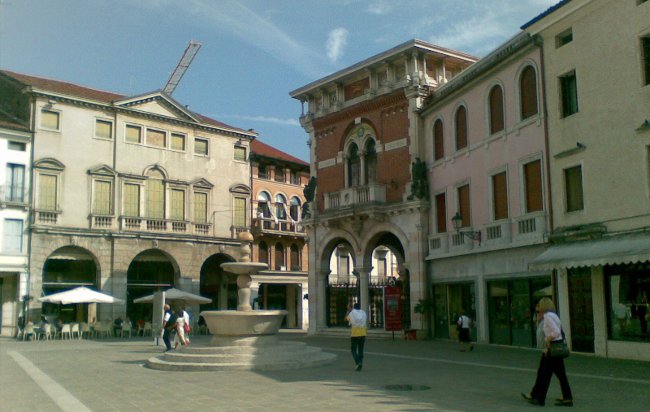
457 221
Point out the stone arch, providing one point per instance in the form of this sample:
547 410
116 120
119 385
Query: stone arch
156 168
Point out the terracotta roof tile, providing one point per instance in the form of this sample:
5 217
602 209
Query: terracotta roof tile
262 149
9 123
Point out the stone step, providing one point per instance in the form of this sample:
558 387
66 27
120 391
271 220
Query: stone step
254 363
208 356
280 346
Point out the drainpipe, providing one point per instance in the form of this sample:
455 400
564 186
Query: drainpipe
30 214
539 43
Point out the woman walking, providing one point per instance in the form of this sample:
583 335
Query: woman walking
549 329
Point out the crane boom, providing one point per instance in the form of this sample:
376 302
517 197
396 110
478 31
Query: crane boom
182 66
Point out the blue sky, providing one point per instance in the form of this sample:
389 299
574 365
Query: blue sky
254 51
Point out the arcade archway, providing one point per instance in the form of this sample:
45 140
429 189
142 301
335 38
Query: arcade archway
217 284
149 271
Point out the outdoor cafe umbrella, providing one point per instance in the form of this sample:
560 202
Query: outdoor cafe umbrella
79 295
174 294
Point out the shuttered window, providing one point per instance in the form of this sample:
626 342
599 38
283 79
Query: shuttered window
441 213
178 142
533 186
438 148
133 134
131 200
528 92
47 192
263 252
155 199
156 138
496 109
50 120
463 205
102 198
573 187
178 204
461 128
645 45
240 212
279 257
500 196
200 207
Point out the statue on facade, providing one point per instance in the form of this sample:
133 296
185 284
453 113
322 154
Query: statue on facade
309 191
420 183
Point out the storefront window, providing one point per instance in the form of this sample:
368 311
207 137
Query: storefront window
450 300
628 288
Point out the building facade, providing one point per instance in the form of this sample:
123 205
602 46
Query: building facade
370 194
599 152
130 195
15 167
486 159
278 181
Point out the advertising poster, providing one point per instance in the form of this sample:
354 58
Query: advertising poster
392 308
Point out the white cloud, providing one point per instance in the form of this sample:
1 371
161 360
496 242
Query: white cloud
379 7
336 42
264 119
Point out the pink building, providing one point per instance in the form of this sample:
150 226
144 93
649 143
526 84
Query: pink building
484 137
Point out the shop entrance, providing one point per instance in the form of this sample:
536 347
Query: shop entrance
281 297
581 310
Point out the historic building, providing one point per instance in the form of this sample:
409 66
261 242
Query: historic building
15 166
278 180
485 150
597 77
130 194
369 196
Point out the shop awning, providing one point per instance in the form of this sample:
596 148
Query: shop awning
607 251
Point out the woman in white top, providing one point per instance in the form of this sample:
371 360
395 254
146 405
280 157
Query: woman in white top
549 329
180 329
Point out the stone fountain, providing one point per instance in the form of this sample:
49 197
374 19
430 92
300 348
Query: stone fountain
243 339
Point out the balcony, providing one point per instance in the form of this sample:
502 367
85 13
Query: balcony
520 231
271 226
143 224
13 196
353 196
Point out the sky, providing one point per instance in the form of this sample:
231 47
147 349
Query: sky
254 52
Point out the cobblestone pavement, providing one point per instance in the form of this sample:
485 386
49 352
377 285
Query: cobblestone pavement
398 375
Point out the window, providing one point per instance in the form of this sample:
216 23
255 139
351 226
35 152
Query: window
371 162
463 205
280 209
627 297
438 144
240 153
279 257
178 142
441 213
496 109
564 38
295 258
263 252
201 146
573 187
103 129
200 207
14 192
131 200
239 218
155 199
50 120
461 128
294 177
47 196
533 186
569 94
156 138
178 204
102 197
354 166
500 196
294 210
279 174
645 53
528 92
262 172
12 241
17 146
133 134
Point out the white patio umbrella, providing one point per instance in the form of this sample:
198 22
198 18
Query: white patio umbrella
174 294
79 295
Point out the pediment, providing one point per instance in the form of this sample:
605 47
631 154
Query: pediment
241 189
158 103
103 170
49 163
202 182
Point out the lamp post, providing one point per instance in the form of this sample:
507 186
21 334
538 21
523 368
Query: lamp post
457 221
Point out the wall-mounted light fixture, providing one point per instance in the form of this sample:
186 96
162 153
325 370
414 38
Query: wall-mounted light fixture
457 221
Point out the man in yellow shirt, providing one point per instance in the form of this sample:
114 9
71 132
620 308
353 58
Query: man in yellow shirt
359 322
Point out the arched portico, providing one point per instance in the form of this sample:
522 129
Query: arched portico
218 285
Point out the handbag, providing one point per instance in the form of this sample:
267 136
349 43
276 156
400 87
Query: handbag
559 348
186 328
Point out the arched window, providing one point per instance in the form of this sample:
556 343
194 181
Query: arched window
295 257
279 257
496 109
280 209
371 162
155 195
461 127
354 166
438 148
294 210
263 249
263 200
528 92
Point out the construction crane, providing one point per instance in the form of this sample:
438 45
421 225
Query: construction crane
182 66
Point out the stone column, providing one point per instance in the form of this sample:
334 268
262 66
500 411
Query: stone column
364 280
320 300
362 165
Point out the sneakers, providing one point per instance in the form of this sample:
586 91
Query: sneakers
358 368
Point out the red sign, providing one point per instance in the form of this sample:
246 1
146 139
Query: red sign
392 308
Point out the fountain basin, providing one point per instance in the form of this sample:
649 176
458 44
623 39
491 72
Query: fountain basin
240 323
244 268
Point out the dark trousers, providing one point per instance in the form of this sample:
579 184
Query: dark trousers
356 345
548 367
168 344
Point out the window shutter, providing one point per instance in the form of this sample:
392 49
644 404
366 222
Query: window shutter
461 128
438 148
573 186
441 213
131 200
200 207
496 110
463 205
500 196
528 90
533 182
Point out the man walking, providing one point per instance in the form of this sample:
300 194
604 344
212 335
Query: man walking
359 322
168 324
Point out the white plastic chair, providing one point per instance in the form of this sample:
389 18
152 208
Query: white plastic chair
29 331
66 329
45 332
74 329
146 331
126 328
85 330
